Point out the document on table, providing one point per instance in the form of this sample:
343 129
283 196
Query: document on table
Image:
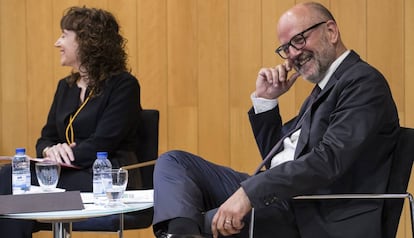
130 196
38 189
41 202
63 165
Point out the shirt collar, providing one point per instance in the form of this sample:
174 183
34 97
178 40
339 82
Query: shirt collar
332 69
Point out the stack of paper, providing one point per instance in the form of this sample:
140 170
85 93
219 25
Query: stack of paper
130 196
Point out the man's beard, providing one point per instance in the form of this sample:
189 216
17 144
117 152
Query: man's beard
313 67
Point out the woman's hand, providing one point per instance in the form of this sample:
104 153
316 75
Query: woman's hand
61 153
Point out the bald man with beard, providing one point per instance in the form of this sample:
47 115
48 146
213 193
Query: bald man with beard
340 142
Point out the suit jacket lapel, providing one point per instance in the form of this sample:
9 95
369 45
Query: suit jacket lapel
303 140
305 128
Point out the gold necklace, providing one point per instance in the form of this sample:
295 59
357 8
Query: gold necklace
69 128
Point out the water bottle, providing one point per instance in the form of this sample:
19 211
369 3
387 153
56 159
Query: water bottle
100 165
20 172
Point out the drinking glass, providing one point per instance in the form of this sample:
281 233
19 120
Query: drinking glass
115 188
47 173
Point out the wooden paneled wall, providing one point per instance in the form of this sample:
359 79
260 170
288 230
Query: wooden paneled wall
196 61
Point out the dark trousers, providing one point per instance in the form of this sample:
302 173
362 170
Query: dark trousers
186 185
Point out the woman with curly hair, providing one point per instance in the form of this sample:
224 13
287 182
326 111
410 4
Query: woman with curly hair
95 108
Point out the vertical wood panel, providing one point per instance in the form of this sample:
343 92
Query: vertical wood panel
13 74
409 62
408 97
385 41
182 74
94 3
2 62
353 29
213 79
1 81
40 40
125 12
152 61
245 61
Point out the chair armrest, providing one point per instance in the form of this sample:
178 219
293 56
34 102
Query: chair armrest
5 160
353 196
139 165
350 196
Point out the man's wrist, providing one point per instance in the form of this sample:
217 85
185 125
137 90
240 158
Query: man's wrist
261 104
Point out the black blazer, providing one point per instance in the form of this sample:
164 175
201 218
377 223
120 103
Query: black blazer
344 147
108 122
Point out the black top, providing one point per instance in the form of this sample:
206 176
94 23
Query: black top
108 122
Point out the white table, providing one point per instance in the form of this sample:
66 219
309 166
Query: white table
62 220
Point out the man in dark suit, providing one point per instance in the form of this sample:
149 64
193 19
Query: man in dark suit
340 142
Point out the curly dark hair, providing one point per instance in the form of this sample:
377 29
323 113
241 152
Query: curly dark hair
101 47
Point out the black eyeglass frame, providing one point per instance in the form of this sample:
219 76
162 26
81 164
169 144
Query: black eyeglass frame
285 48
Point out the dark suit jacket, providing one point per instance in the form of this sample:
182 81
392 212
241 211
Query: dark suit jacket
344 147
108 122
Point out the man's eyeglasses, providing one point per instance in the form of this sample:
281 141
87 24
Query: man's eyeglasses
298 42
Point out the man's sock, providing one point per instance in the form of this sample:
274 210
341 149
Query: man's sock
183 226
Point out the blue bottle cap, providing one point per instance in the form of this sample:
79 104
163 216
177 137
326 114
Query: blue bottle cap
101 154
20 151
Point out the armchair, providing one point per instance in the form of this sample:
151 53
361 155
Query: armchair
147 152
396 189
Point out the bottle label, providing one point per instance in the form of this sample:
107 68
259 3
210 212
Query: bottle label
100 182
20 183
21 179
100 165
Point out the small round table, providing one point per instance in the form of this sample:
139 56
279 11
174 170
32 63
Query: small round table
62 220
